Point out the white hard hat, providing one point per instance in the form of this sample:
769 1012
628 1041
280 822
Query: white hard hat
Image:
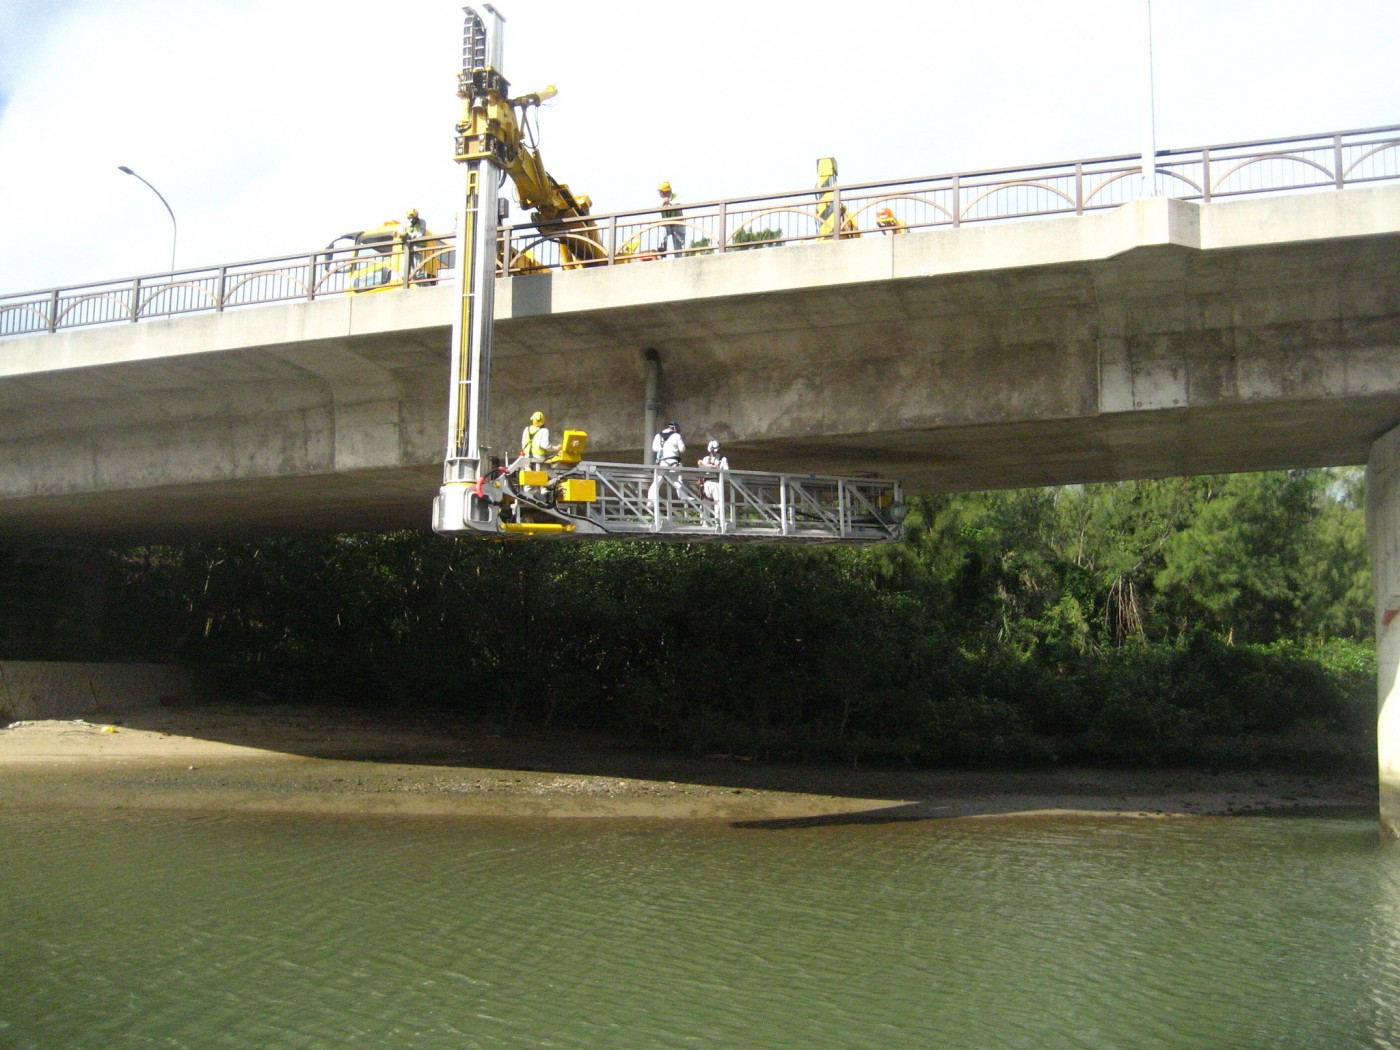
712 447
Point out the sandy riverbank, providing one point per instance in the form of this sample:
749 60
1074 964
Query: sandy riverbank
311 759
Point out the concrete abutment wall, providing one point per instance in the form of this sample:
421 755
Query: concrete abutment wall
31 689
1383 535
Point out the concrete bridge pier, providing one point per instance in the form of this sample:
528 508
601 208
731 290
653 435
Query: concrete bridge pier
1383 535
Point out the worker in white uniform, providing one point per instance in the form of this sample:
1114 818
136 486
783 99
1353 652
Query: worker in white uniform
713 485
713 459
668 447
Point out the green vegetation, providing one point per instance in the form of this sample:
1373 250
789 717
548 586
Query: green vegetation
743 240
1210 620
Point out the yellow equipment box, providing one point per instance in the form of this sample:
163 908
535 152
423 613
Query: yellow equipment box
578 490
534 478
571 449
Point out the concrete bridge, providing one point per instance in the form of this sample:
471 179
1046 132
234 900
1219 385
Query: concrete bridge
1162 337
1159 338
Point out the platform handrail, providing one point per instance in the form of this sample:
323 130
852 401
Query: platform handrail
635 500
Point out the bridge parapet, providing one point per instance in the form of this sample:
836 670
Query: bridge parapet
1334 160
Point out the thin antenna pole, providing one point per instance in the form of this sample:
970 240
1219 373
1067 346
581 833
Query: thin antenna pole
1149 116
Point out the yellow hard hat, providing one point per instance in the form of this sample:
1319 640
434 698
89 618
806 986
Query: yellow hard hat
537 419
665 187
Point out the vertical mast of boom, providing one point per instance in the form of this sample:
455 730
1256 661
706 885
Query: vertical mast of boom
481 87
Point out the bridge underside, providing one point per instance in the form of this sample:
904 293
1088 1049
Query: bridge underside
973 458
1162 339
989 455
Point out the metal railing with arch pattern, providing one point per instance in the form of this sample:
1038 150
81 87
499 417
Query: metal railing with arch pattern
1311 162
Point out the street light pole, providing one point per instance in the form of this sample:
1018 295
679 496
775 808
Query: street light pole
1149 116
174 228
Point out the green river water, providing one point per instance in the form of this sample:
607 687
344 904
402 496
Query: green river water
146 929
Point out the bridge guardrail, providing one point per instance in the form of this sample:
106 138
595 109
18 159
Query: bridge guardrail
1333 160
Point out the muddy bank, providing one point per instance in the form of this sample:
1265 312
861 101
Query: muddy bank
312 759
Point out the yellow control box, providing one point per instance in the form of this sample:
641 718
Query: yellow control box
571 449
578 490
533 478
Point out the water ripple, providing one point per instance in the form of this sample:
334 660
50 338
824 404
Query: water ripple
136 930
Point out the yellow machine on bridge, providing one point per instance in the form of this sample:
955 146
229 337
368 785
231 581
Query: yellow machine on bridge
389 255
491 129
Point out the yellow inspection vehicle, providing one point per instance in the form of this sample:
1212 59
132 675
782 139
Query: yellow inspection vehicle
377 259
565 496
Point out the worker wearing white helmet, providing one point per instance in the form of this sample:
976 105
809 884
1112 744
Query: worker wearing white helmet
713 459
668 447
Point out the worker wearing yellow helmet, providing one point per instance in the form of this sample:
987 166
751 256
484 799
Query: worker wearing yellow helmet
534 440
674 233
412 234
534 449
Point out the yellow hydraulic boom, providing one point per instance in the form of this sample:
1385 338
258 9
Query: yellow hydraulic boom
493 127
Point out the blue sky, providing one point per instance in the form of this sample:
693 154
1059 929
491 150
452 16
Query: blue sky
272 126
